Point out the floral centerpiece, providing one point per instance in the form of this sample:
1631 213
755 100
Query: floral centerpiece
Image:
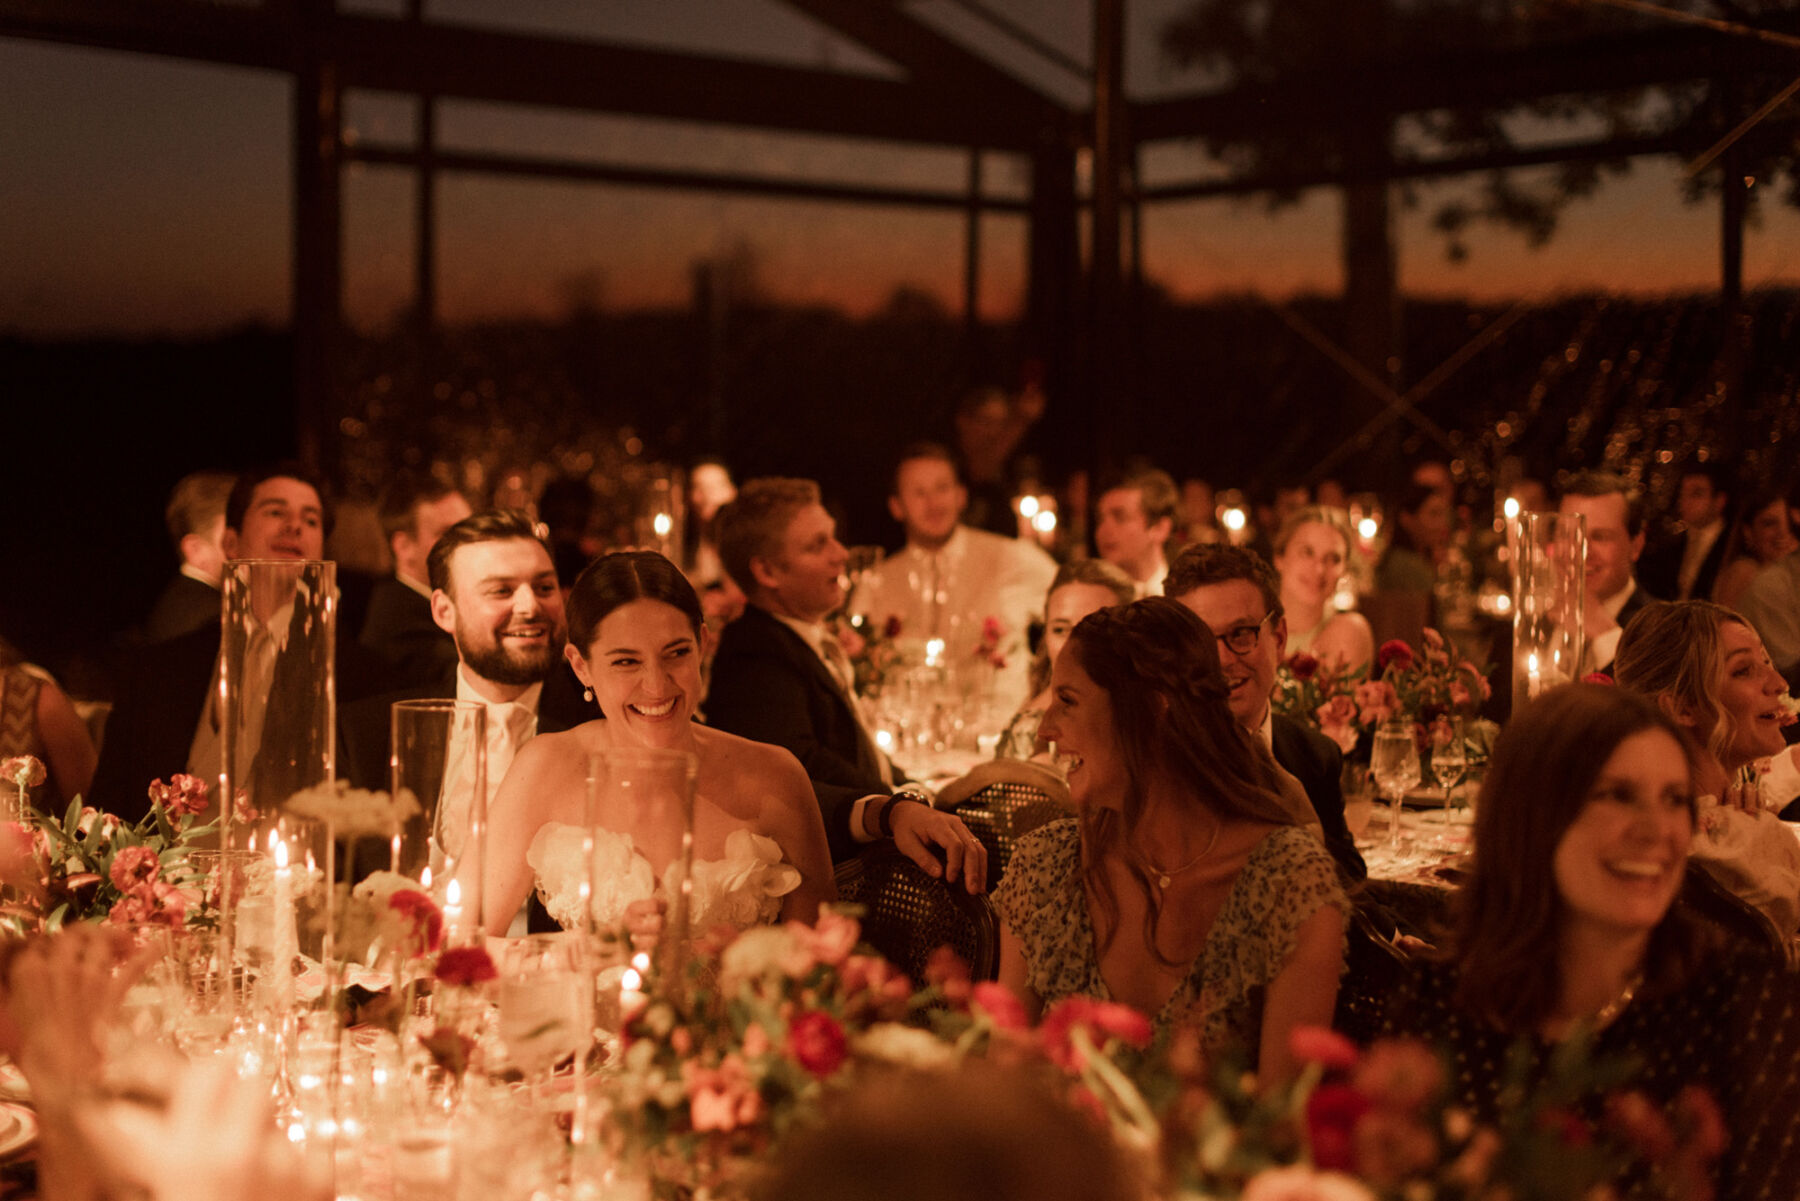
1424 685
91 866
870 648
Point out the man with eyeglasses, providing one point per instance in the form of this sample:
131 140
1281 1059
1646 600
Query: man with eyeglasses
1236 593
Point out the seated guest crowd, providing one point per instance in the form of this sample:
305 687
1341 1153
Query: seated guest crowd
1205 873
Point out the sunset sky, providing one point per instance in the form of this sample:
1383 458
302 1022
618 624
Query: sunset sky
146 195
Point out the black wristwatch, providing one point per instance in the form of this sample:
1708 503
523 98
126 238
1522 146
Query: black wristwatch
884 821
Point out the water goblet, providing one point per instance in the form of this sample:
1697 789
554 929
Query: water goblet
1395 766
546 1008
1449 764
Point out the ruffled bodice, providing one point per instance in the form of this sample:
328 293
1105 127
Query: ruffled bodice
742 889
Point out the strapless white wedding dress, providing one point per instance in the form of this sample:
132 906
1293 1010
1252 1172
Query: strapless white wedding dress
740 890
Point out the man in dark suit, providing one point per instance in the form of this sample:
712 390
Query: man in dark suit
195 516
1685 566
1238 595
399 626
1614 512
163 722
496 596
780 677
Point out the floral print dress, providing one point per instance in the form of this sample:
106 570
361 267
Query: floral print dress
1288 877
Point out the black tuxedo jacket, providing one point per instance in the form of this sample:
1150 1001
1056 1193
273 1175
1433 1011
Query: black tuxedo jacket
365 727
1318 764
1660 568
399 629
1640 599
184 606
770 686
161 695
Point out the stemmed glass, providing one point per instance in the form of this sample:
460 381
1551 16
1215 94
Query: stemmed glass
1449 763
1395 766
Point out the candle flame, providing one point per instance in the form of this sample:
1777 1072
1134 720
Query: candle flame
631 981
1028 506
425 879
281 851
641 961
452 893
662 523
1510 508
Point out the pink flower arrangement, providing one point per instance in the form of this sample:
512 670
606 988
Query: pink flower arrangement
26 771
134 867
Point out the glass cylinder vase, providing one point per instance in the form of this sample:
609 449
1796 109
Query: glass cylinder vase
645 795
1549 596
440 762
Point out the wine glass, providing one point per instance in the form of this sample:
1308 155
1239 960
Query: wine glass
1449 764
1395 766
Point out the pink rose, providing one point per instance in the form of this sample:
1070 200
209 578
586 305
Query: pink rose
833 936
1395 654
132 909
851 641
1459 694
465 967
1337 721
1433 640
1377 701
134 867
1002 1006
20 866
817 1043
27 771
1400 1074
1325 1047
949 973
1103 1021
756 1041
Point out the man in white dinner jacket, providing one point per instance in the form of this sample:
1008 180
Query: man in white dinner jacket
975 590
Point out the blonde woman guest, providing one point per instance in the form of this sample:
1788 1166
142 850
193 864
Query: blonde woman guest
1312 553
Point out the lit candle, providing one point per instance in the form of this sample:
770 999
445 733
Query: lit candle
934 652
631 988
1534 677
453 913
282 937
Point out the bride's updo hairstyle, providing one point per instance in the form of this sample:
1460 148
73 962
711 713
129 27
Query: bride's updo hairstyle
1159 666
1541 773
620 578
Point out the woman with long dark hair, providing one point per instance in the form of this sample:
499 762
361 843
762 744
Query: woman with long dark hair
1568 929
1189 885
636 637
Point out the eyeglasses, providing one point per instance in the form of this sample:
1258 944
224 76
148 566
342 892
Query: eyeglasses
1241 640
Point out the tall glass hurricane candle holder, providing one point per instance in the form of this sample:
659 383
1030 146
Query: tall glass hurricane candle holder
1549 595
640 805
274 714
440 761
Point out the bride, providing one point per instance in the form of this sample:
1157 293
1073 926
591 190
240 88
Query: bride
636 638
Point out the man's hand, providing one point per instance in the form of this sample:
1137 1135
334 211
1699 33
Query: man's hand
920 828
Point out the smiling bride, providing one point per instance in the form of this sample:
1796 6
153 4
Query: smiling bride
636 639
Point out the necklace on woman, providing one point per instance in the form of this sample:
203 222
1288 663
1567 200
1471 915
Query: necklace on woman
1161 877
1604 1016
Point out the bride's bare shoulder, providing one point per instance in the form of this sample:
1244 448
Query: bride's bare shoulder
761 762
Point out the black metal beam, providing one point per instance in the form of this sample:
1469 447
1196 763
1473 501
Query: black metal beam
661 177
478 64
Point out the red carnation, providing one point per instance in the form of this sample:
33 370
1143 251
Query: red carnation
1002 1006
1395 653
1102 1020
1332 1113
182 796
134 867
1304 666
465 967
890 630
1597 677
817 1043
422 915
1325 1047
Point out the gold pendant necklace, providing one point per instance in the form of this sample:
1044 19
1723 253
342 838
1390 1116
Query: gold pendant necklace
1161 877
1613 1008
